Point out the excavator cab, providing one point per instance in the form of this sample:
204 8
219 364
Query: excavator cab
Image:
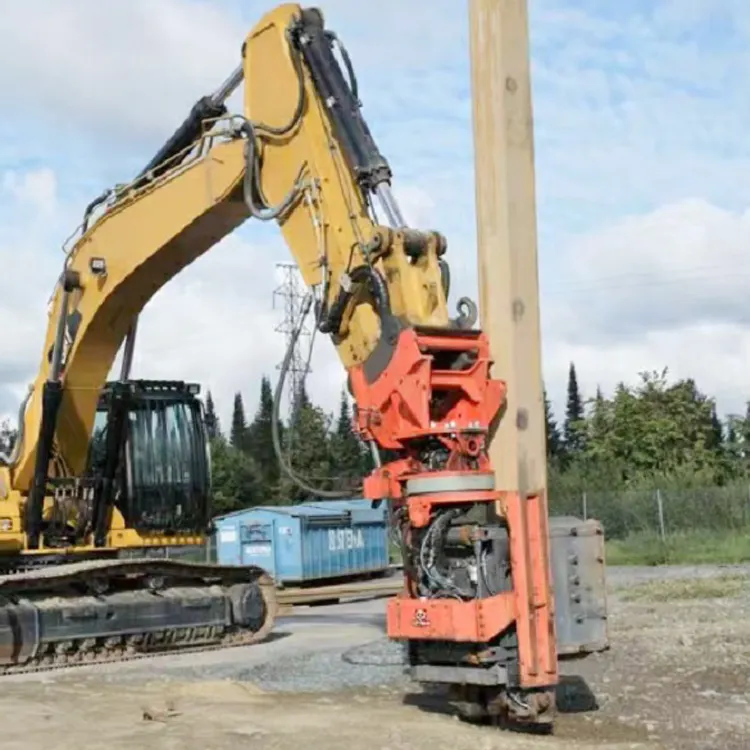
150 437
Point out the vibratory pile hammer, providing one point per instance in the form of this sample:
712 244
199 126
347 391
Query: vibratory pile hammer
84 509
477 609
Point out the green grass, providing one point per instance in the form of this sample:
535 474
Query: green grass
686 589
686 548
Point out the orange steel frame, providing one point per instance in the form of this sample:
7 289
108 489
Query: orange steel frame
412 399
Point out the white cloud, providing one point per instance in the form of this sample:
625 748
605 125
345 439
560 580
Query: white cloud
37 188
685 262
117 70
668 288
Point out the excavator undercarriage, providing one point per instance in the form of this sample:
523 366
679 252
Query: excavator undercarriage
108 610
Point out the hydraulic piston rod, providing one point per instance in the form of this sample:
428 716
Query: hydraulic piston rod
220 96
389 205
208 107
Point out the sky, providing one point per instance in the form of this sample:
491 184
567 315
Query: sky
641 113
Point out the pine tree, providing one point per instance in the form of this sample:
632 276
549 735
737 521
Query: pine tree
213 428
574 415
346 449
310 454
554 439
344 421
238 433
597 426
300 402
236 479
260 438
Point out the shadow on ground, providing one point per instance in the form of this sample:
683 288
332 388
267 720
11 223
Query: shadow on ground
277 635
573 695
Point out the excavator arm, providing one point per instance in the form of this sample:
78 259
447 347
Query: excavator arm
476 609
286 150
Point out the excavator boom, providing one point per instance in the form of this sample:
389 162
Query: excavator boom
476 610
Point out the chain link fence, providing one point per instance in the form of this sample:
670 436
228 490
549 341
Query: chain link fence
659 511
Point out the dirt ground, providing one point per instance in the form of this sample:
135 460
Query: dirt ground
677 676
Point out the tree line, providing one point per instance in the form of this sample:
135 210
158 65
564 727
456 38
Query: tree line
655 433
321 448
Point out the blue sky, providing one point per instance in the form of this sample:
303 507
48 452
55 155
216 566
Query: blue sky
643 176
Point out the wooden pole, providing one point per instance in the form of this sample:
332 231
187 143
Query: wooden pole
509 310
506 233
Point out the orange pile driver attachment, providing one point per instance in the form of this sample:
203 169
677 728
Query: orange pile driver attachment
477 606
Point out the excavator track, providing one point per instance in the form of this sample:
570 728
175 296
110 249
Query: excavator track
93 612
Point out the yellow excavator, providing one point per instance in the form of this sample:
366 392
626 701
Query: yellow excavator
103 475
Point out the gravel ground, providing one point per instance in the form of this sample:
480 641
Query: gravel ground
376 664
620 577
677 677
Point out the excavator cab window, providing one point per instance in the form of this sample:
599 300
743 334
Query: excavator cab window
162 482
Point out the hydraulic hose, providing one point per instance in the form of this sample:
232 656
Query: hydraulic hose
331 319
353 85
299 481
251 187
251 184
90 208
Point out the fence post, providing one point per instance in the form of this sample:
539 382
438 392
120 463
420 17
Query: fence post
660 508
584 504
